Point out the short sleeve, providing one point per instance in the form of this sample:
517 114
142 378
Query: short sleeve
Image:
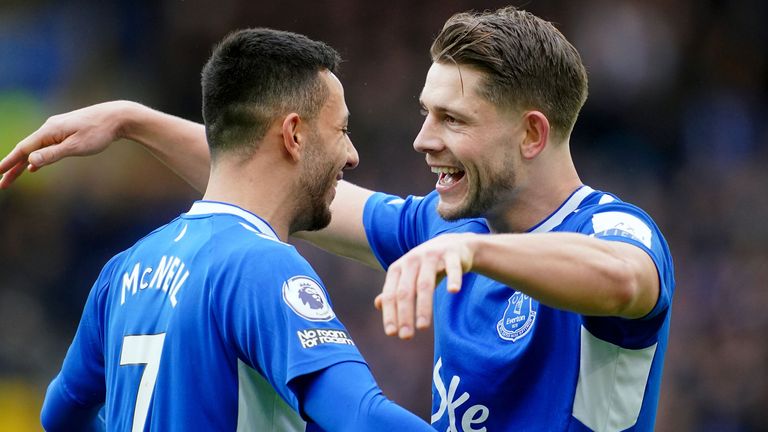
626 223
275 310
396 225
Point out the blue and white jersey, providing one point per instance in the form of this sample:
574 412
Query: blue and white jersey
505 362
201 325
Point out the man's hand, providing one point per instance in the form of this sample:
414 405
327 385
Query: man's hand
83 132
410 283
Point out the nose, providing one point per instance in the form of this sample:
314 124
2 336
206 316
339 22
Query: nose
428 141
352 157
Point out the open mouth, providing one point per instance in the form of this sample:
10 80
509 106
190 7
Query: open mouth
448 176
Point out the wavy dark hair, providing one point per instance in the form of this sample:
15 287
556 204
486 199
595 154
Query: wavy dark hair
527 62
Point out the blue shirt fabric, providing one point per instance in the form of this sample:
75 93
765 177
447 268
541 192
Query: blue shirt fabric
202 325
505 362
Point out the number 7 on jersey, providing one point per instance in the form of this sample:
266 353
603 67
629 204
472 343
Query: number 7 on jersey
143 349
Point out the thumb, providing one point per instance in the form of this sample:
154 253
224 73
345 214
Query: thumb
36 159
46 155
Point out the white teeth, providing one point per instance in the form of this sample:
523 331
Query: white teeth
445 170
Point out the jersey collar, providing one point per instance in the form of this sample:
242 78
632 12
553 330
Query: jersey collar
214 207
566 208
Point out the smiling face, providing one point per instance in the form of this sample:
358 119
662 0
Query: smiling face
328 152
469 143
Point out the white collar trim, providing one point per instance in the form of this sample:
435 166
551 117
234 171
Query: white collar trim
568 207
212 207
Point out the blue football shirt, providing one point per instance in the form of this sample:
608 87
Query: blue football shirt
201 325
505 362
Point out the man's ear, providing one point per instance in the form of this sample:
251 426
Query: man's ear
536 134
293 139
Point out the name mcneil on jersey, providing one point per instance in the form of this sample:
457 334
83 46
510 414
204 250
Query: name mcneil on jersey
168 275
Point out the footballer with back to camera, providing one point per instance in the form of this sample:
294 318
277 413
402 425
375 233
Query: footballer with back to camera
212 322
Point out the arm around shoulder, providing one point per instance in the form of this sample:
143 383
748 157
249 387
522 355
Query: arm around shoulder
178 143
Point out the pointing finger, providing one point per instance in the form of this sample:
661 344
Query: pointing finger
387 301
406 296
453 272
425 289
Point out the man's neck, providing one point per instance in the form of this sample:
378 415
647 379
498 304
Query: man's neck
537 196
267 194
523 213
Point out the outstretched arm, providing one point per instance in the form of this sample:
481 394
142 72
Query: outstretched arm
178 143
569 271
181 145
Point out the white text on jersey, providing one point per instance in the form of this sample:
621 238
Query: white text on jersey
474 415
168 275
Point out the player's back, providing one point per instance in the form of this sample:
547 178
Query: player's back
171 358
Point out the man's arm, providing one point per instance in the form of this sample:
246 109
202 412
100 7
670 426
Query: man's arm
345 235
178 143
74 397
564 270
345 397
181 145
61 412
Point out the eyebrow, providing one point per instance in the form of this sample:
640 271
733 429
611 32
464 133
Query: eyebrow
440 108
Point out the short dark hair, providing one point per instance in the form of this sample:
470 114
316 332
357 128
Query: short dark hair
254 76
527 62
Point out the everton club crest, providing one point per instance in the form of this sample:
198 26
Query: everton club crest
518 317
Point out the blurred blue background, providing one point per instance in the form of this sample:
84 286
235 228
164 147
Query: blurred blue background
676 122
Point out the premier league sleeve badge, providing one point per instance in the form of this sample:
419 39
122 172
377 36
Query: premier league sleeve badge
307 299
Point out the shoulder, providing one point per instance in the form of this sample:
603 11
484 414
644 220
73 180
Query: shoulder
420 209
603 211
260 252
606 216
108 273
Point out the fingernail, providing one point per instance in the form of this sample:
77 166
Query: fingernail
421 322
390 329
405 332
